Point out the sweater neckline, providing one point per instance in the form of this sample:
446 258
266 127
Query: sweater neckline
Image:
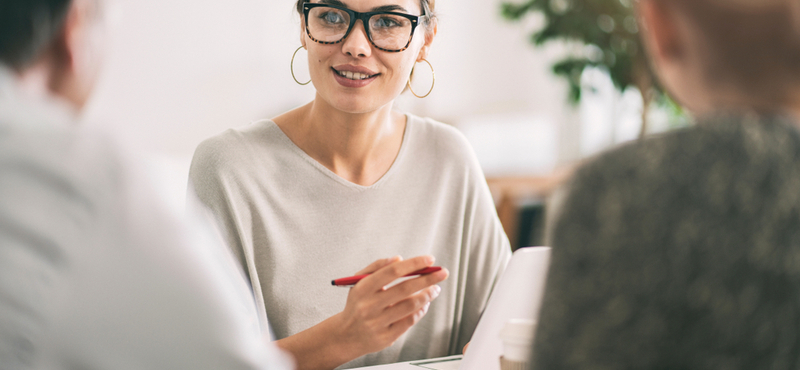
332 175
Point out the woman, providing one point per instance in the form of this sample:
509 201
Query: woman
681 251
319 192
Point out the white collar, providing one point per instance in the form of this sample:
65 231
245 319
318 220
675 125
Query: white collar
23 111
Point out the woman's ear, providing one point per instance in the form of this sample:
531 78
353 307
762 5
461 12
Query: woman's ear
660 30
303 34
430 33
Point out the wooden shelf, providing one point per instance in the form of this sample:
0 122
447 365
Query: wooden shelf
513 194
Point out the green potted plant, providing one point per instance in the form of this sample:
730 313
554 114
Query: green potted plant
609 33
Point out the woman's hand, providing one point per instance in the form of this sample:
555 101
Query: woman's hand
373 318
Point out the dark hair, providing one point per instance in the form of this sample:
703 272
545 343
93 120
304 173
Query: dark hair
27 27
428 8
754 47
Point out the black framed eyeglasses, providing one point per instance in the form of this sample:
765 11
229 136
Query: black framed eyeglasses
387 31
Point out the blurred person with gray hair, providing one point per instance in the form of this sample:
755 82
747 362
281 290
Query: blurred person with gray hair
682 251
94 272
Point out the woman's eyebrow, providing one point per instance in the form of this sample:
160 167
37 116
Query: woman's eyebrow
390 8
384 8
334 2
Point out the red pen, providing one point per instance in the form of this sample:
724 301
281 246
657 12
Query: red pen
352 280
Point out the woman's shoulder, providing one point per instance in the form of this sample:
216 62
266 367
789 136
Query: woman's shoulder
717 153
440 139
262 133
721 140
236 144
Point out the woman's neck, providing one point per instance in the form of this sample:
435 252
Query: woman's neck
729 100
359 147
794 110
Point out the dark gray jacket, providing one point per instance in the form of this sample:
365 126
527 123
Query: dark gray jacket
680 252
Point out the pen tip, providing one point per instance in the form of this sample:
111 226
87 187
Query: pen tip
333 282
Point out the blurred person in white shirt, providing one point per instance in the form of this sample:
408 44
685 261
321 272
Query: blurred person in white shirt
95 273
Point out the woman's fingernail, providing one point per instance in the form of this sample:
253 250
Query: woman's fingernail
437 289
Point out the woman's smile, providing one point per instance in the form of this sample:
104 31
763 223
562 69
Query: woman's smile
353 76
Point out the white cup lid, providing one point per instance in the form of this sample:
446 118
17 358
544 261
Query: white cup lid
519 329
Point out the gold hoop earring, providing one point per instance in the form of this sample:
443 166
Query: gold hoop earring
433 83
292 68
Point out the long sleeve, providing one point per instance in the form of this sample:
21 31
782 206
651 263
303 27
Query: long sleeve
489 253
213 186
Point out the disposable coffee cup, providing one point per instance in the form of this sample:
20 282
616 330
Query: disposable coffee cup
517 336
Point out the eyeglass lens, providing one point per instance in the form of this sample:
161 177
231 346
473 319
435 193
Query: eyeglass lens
386 31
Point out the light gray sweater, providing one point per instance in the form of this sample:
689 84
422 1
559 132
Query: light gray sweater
294 226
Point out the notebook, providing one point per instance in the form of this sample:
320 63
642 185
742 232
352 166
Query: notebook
517 295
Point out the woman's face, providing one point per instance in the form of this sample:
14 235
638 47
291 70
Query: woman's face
353 75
